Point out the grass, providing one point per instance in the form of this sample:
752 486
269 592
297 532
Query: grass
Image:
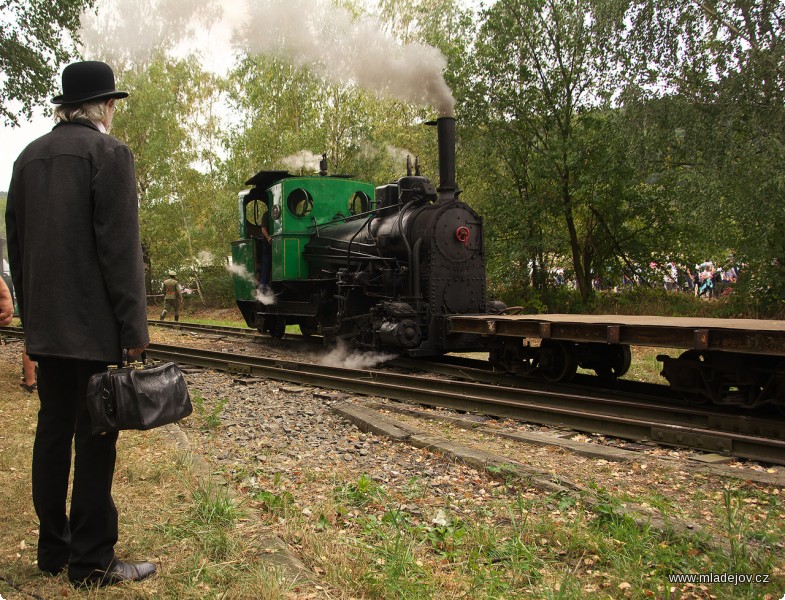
364 539
191 527
209 418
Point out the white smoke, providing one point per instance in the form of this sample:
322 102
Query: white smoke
328 39
267 297
132 31
399 154
312 33
344 357
303 161
241 272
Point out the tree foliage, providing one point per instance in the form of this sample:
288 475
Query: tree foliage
621 133
724 60
36 37
169 121
594 135
539 68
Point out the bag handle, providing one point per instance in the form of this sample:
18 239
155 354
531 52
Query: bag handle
141 358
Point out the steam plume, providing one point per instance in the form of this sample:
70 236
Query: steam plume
345 357
326 38
303 161
312 33
241 272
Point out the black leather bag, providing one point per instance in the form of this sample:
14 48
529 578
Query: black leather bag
140 395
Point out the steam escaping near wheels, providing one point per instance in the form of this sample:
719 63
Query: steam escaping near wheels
266 297
343 356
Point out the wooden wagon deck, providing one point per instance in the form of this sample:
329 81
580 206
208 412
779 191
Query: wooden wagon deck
751 336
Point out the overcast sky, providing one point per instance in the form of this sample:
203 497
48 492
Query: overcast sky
12 142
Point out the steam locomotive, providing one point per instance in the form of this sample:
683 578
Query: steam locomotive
401 268
382 267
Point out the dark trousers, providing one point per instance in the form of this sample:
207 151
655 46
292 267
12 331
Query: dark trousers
174 304
85 538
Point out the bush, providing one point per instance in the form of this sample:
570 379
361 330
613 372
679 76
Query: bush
216 287
739 301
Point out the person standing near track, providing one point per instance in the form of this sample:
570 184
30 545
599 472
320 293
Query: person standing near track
173 296
72 220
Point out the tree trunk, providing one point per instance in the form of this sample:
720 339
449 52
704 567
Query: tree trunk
582 272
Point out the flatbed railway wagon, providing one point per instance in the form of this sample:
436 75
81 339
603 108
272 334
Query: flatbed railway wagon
738 362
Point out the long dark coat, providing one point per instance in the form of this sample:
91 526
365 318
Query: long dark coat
72 223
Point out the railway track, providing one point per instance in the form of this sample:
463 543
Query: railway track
460 367
609 413
761 439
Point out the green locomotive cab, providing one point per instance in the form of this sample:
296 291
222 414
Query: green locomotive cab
293 208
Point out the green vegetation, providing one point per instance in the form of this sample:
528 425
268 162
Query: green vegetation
363 537
190 526
37 38
209 417
538 546
595 137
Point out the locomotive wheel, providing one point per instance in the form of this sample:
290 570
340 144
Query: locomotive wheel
557 361
308 329
277 327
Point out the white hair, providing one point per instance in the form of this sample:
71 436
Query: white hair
95 111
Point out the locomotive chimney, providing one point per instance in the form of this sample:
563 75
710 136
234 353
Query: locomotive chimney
445 127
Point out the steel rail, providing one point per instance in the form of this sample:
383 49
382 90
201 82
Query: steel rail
742 436
12 332
759 439
476 370
479 371
203 327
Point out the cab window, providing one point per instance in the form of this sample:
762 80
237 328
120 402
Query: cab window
254 211
359 203
299 202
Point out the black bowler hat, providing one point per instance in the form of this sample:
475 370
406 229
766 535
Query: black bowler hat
88 80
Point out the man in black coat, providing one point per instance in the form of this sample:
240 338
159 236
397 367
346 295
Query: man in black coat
76 261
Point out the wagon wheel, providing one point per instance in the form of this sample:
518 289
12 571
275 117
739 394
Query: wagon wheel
512 362
693 397
526 366
557 361
618 359
769 390
777 396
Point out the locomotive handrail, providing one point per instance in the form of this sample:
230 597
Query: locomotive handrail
356 216
351 241
357 256
406 242
416 268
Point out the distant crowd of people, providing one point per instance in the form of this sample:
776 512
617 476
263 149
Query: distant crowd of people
705 280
